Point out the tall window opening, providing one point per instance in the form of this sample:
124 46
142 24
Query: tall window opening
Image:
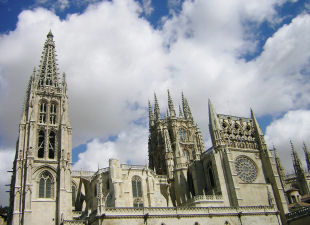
73 195
182 134
137 192
46 185
41 144
42 118
211 177
53 114
51 145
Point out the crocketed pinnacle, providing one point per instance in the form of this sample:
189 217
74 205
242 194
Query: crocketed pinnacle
280 169
186 108
48 71
171 106
296 161
151 115
156 109
307 156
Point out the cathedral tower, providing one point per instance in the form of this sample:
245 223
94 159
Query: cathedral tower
174 142
41 181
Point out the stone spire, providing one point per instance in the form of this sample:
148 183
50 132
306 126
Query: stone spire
151 116
213 121
156 109
255 123
307 156
300 173
186 108
48 71
171 106
279 166
180 112
296 161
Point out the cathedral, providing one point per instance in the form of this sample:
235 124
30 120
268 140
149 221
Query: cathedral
238 180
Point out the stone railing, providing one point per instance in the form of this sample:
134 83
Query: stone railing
74 222
187 211
305 211
82 173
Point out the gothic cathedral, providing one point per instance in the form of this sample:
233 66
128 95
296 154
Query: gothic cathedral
236 181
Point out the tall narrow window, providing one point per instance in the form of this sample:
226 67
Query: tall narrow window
182 134
211 177
73 195
137 192
41 144
136 187
53 114
45 185
51 145
43 112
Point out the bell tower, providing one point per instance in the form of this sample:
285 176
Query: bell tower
175 142
41 180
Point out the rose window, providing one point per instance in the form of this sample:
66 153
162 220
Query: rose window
246 169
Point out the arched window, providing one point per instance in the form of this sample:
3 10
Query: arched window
73 195
42 118
46 185
41 144
182 134
136 187
51 145
187 155
53 113
137 192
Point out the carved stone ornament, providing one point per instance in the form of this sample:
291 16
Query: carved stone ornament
246 169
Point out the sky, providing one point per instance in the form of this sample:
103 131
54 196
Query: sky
241 54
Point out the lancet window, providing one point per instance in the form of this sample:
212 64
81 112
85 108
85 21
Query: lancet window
41 145
211 175
46 185
51 145
137 192
53 113
42 118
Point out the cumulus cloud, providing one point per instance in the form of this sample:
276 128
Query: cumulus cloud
130 142
294 126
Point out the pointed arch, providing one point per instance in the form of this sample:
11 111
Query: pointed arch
46 185
41 144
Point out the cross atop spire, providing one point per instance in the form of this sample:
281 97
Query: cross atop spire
48 71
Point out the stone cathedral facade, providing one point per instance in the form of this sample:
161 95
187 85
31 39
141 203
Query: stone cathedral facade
236 181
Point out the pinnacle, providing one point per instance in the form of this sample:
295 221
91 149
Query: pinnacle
50 34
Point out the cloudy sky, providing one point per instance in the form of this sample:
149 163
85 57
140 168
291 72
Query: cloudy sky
116 54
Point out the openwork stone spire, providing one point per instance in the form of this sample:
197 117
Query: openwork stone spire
171 106
156 109
48 71
186 108
307 155
151 116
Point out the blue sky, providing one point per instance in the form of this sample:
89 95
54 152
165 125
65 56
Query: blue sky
242 54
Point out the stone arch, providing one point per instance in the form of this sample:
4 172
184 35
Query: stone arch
46 185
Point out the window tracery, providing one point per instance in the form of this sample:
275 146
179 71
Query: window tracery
53 113
137 192
51 145
46 185
246 169
182 134
42 118
41 144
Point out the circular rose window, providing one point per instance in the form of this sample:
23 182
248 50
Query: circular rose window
246 169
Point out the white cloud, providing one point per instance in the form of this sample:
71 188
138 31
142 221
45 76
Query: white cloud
6 159
147 7
295 126
130 147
